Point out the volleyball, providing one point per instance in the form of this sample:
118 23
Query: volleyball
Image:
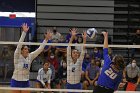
91 33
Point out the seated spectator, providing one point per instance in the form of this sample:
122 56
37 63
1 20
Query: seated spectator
44 76
6 60
92 74
98 63
61 49
6 53
136 41
86 62
62 59
96 54
56 35
132 73
62 74
54 61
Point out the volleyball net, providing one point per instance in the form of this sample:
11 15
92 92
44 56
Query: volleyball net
58 84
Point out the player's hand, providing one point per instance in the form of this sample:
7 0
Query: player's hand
84 35
48 34
124 80
74 31
121 85
136 84
91 82
105 34
25 27
45 86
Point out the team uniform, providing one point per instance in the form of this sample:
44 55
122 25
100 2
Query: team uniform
109 79
44 77
22 65
74 70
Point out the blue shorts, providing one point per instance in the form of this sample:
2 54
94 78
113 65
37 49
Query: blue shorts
20 84
73 86
41 85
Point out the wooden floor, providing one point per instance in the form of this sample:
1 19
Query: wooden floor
5 91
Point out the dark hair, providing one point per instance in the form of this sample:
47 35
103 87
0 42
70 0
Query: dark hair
64 60
78 38
46 61
73 50
118 60
71 28
132 60
104 30
23 47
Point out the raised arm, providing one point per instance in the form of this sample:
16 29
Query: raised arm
25 29
107 59
84 35
105 39
35 53
73 35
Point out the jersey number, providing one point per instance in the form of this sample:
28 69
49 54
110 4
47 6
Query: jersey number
25 66
110 73
73 69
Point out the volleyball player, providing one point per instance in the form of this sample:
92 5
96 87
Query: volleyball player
74 64
23 60
111 74
44 76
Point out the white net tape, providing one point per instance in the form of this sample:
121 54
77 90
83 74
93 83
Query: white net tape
66 44
60 90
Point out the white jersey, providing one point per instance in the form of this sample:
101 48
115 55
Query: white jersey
74 70
22 65
44 76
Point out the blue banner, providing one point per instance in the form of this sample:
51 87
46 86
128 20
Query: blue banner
16 22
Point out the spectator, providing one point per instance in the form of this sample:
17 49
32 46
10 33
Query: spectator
85 63
98 63
56 35
79 41
6 57
6 53
54 61
92 74
61 49
136 41
62 74
96 54
132 73
62 59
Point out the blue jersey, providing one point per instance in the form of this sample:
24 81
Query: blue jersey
109 77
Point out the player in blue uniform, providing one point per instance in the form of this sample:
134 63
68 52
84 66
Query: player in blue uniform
111 74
